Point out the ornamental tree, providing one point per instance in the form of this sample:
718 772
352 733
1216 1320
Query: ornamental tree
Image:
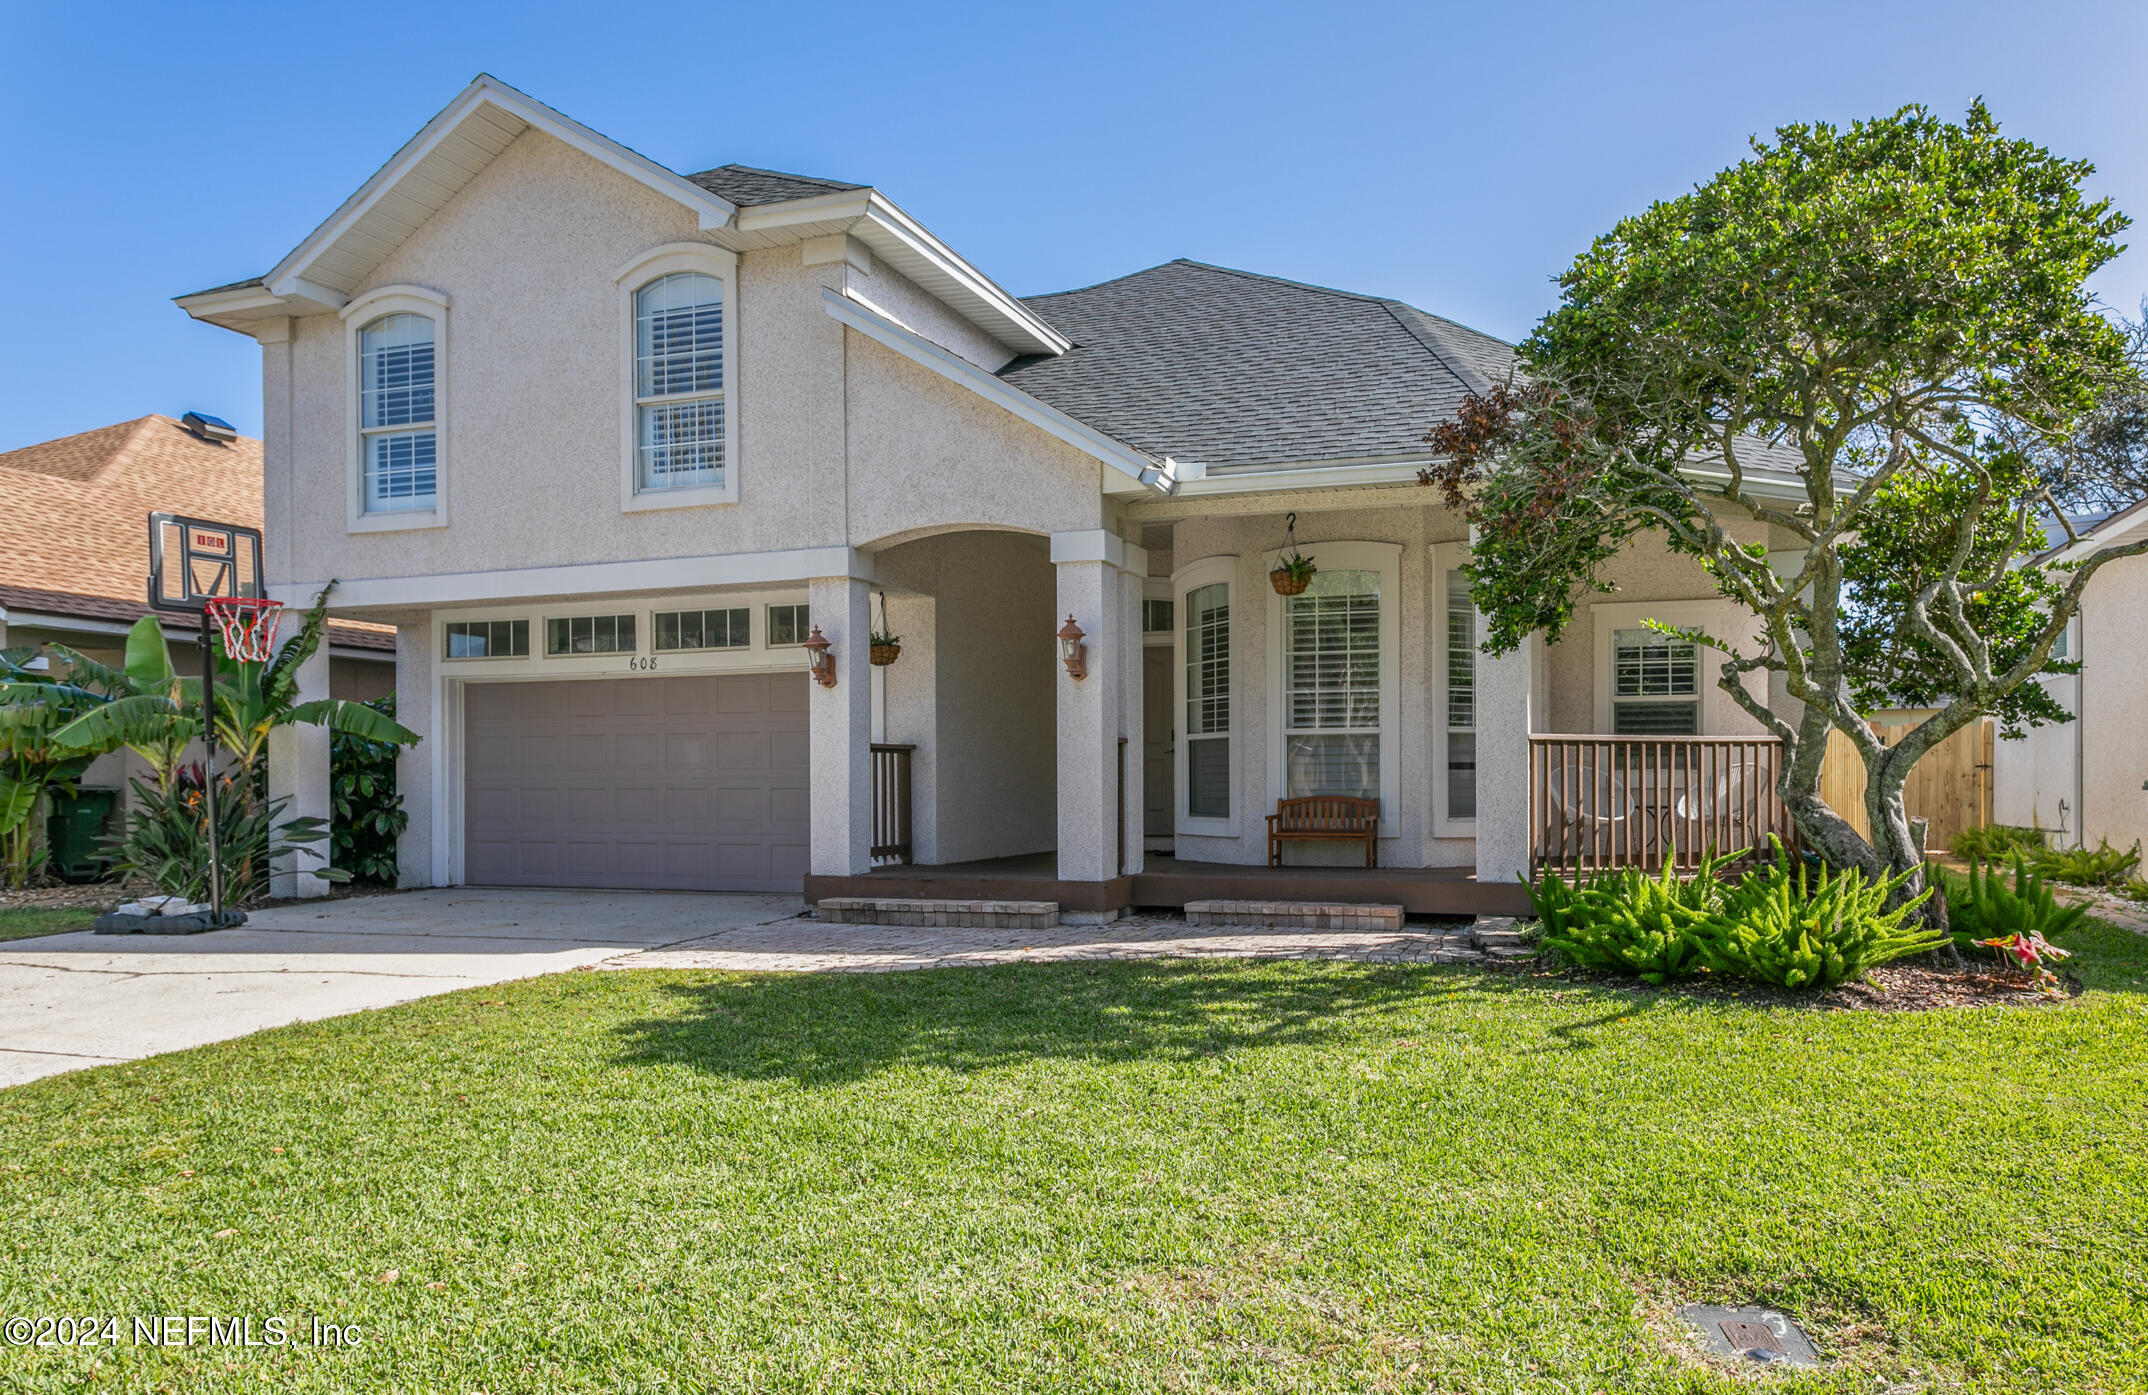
1877 343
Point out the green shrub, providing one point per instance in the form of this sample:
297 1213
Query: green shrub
1787 925
1623 919
165 838
1981 907
2101 866
367 809
1997 841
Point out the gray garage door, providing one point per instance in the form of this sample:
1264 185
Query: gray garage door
683 784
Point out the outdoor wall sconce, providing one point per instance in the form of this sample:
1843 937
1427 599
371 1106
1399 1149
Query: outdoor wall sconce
818 658
1072 651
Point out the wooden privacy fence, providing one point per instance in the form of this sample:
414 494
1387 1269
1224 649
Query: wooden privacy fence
891 803
1949 787
1610 801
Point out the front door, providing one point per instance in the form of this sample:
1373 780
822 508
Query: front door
1158 729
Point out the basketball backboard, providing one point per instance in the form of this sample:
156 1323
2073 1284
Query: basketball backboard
195 560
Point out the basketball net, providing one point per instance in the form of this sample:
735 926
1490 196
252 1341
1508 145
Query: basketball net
248 624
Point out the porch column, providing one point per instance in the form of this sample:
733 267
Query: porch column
1093 711
840 729
298 772
1506 695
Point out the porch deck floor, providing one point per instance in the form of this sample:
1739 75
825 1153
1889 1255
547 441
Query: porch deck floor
1170 882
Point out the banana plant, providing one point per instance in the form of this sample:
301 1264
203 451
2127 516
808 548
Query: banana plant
35 705
159 710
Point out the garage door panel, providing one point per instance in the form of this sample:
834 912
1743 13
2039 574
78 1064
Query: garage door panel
663 783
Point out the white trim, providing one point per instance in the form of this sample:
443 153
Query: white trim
1099 545
1191 577
390 300
589 578
1158 588
638 272
854 313
1446 557
904 243
1705 615
1386 559
1196 480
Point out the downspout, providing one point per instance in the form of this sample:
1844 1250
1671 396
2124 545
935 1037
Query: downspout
2080 738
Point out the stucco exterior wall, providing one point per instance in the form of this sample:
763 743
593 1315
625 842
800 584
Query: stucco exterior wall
2035 779
918 310
1647 571
2114 704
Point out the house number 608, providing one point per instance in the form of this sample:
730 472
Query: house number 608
649 662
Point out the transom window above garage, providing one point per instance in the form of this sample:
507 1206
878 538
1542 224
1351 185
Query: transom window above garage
589 634
703 629
488 639
788 624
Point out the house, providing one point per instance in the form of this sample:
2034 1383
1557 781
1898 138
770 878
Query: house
2087 780
614 448
74 539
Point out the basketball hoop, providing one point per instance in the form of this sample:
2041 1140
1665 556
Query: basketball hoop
249 625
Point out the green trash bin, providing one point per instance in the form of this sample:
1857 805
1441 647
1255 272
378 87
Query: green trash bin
74 834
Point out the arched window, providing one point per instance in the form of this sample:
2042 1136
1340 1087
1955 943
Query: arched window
678 382
398 433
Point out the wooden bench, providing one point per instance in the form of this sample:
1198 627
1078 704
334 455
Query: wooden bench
1325 818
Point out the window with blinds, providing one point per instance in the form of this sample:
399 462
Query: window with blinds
396 430
1461 699
678 382
1208 701
1331 703
1655 684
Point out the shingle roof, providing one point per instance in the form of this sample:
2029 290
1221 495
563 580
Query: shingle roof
74 537
745 185
1226 367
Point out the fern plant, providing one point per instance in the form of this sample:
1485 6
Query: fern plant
1787 925
1625 920
1985 908
1995 841
2100 866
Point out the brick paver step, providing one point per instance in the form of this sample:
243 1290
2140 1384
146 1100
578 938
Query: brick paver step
965 915
1295 915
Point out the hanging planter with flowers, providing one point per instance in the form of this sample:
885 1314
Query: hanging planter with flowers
883 648
1293 570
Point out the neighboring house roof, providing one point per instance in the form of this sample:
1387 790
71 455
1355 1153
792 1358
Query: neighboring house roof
1226 368
2101 533
747 186
74 538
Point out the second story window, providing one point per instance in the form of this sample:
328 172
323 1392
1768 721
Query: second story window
678 382
397 431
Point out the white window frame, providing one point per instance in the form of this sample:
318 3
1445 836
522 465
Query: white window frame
1706 616
653 265
1447 557
363 311
1386 559
1192 577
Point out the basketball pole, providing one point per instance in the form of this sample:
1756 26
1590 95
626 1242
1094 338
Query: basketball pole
208 783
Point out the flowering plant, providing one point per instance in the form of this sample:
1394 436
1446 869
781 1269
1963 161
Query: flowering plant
2031 953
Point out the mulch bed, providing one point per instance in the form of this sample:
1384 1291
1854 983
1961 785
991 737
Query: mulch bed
1905 988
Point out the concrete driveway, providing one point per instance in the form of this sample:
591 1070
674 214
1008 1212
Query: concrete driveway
71 1001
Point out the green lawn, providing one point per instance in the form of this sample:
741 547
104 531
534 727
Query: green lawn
23 922
1169 1176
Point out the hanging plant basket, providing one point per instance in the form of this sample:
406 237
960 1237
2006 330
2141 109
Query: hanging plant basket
883 646
1294 571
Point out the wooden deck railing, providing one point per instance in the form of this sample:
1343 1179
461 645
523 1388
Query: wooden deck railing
891 803
1612 801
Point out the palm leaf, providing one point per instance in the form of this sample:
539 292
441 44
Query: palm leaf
279 677
81 666
354 719
140 719
148 664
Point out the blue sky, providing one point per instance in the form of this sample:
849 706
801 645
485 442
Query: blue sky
1455 156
